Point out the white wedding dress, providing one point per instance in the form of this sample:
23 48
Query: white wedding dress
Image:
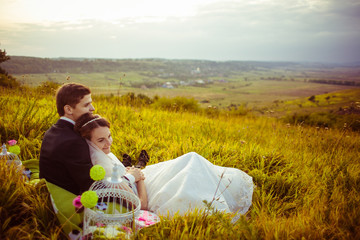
182 184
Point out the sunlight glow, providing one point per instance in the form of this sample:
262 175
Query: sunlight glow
37 11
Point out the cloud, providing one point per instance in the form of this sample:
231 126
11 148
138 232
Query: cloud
313 27
234 30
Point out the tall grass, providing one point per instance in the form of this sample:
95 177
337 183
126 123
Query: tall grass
307 178
25 209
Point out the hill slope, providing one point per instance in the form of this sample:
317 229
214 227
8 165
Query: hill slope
307 178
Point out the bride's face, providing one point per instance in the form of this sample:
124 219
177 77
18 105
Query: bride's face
101 137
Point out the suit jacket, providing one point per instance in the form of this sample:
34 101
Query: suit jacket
65 158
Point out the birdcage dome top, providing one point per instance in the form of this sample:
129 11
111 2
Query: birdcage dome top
9 157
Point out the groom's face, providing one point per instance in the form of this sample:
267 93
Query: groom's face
84 106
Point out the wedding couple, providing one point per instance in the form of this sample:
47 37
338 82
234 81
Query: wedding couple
178 185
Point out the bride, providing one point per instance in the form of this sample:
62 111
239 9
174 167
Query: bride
177 185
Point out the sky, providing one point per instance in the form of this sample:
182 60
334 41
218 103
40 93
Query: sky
221 30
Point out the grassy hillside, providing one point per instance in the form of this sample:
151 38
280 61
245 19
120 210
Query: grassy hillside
307 178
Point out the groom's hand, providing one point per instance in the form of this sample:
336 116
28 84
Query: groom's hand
136 172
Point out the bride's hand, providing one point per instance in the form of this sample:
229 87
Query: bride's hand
142 176
136 172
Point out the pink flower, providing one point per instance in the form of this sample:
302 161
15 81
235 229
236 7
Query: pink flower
147 222
145 217
127 230
100 225
76 202
12 142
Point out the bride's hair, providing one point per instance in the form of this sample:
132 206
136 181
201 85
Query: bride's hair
87 122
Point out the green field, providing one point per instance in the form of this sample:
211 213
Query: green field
211 83
253 92
307 177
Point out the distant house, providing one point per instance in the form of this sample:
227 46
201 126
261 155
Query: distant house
183 83
200 81
167 85
196 71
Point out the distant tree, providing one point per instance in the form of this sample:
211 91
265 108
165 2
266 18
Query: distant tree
5 79
312 98
3 58
327 98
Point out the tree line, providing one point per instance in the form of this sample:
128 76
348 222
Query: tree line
32 65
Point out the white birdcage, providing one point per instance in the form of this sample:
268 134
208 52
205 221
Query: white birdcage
117 207
11 158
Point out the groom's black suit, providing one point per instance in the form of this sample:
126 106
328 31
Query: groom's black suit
65 158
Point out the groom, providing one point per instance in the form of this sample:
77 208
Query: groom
64 155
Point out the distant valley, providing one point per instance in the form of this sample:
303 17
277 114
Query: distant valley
212 83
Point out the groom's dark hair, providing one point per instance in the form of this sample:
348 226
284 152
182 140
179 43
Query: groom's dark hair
70 94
